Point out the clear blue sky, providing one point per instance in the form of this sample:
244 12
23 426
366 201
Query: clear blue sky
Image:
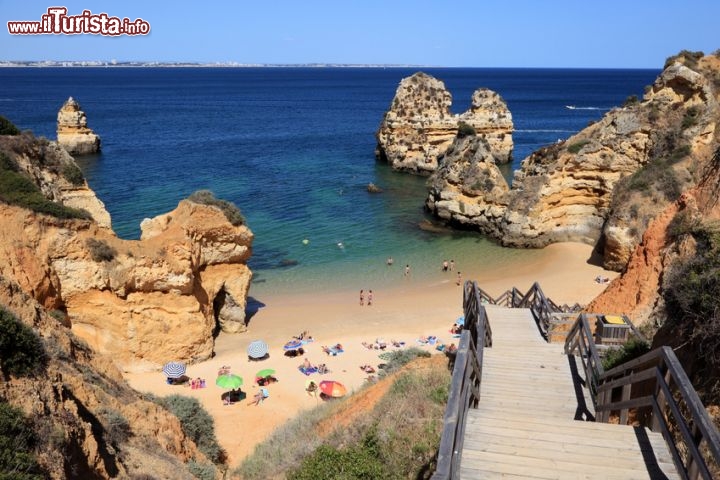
464 33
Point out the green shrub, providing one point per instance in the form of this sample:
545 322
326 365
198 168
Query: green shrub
355 462
631 100
197 424
683 223
465 130
7 127
687 57
632 349
203 471
73 174
690 119
577 146
17 441
679 153
116 425
229 209
395 359
17 189
100 251
21 351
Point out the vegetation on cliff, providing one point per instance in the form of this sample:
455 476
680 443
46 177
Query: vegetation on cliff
7 127
229 209
390 429
17 442
21 351
691 290
16 188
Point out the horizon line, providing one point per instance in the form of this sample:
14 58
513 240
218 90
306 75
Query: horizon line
233 64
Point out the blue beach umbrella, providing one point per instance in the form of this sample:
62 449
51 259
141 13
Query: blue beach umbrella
174 369
257 349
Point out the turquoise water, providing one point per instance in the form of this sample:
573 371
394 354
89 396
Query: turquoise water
293 148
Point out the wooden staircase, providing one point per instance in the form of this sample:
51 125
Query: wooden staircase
535 421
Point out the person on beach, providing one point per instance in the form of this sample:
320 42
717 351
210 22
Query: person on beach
452 265
370 297
362 297
458 280
407 270
311 389
445 266
389 261
306 364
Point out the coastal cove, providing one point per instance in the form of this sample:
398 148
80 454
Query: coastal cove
293 148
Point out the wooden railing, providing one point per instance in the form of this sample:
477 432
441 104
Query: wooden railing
542 307
466 379
652 391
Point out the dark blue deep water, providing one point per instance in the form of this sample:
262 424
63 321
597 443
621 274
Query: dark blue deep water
293 148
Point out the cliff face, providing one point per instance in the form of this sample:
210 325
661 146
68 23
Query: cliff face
89 423
419 128
143 302
607 182
73 134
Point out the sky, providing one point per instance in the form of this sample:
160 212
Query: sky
460 33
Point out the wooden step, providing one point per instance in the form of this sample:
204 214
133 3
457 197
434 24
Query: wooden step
524 426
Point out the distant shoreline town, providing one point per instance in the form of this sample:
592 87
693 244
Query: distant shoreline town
114 63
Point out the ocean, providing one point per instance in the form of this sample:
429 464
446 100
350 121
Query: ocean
293 148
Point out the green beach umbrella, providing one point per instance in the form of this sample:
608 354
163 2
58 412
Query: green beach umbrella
229 380
264 373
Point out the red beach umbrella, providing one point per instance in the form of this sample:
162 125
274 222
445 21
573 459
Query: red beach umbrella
331 388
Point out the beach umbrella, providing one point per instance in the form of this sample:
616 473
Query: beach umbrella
229 380
331 388
257 349
265 373
174 369
293 344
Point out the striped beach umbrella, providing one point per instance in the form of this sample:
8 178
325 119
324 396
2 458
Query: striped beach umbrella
257 349
174 369
293 344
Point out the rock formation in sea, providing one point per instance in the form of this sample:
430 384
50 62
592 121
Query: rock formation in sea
419 128
73 134
601 186
143 302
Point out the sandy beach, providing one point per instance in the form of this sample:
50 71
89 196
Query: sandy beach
412 308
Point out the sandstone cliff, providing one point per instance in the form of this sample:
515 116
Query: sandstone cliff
88 422
419 127
73 134
605 183
143 302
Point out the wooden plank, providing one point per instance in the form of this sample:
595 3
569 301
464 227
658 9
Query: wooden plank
512 464
599 457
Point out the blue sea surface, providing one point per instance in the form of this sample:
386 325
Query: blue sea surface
294 149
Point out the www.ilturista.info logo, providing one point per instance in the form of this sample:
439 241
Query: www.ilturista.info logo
57 21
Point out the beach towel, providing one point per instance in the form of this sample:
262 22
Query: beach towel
334 351
308 371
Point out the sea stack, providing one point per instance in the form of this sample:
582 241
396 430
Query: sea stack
419 128
73 133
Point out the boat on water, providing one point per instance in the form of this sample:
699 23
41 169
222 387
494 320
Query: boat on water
570 107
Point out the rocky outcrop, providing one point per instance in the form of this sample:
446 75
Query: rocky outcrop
73 134
603 184
88 422
419 127
468 191
55 172
143 302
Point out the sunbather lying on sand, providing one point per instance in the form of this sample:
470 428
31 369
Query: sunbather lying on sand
367 368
